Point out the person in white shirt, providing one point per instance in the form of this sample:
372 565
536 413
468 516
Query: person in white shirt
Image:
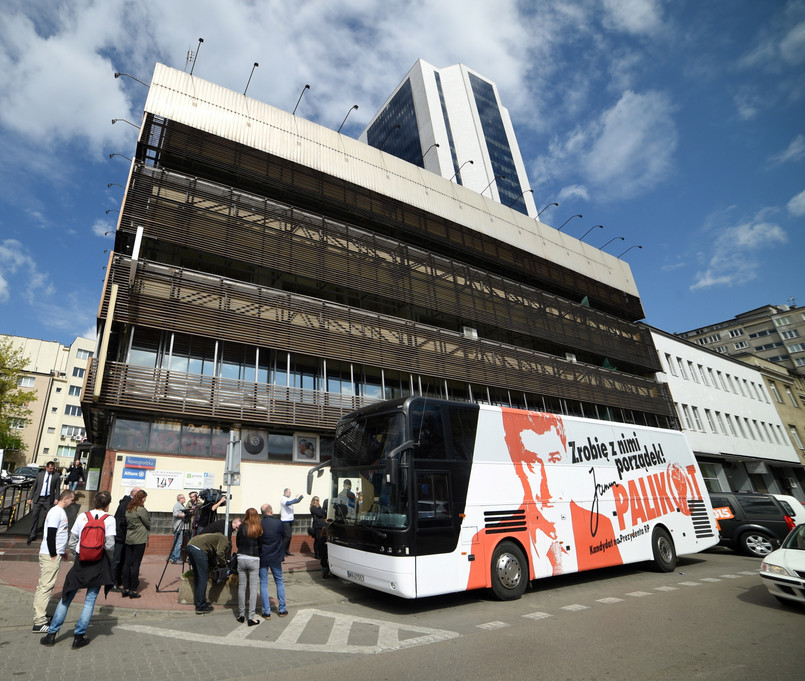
89 575
286 516
53 548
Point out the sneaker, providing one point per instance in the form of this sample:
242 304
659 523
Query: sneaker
266 615
284 613
48 640
40 628
254 622
204 609
117 589
135 594
79 641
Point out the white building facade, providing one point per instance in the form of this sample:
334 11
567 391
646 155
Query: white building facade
728 416
460 111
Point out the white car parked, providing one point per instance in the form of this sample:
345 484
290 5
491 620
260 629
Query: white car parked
783 570
792 506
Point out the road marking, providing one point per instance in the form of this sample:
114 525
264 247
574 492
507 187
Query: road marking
666 588
690 583
730 576
710 579
639 594
575 607
749 573
610 600
387 634
492 625
537 615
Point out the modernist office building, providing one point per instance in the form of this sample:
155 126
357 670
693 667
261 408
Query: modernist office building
460 111
270 275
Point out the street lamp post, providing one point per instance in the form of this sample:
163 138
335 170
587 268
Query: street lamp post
578 215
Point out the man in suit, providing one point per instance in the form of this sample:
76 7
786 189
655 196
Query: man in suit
272 553
44 493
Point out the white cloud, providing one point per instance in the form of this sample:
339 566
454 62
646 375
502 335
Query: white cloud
633 147
793 153
792 46
640 17
103 229
13 259
735 257
626 152
574 191
796 206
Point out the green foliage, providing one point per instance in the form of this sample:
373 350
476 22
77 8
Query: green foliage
13 401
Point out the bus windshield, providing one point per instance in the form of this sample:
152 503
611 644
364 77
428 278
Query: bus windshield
361 493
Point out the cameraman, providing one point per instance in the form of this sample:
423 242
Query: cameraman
213 499
205 552
220 526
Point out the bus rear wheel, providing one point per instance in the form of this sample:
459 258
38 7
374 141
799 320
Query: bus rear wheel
663 548
509 572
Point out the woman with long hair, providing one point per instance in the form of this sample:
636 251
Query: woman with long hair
138 525
318 523
247 541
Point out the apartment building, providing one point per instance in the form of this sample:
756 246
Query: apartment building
773 332
56 373
729 418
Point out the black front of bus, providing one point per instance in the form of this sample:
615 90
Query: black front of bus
396 492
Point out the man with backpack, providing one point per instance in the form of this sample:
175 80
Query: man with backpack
92 539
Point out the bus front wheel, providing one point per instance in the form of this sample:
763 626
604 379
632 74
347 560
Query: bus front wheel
509 572
664 552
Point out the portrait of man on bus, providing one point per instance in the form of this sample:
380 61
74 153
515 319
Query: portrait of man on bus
536 442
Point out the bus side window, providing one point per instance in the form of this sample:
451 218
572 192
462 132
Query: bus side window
433 497
429 432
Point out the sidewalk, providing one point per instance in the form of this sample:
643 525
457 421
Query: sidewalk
304 586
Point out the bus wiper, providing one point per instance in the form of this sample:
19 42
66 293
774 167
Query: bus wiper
377 533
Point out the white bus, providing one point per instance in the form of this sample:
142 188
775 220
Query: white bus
432 497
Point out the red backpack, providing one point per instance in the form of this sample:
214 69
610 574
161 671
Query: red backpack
93 538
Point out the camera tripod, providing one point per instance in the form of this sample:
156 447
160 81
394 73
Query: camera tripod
187 531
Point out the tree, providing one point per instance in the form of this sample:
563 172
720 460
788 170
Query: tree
13 401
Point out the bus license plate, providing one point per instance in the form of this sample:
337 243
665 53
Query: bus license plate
355 576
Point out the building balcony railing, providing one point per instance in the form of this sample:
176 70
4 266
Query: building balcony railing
179 395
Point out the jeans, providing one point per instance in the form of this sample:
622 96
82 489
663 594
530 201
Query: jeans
86 611
276 571
248 567
176 551
73 486
201 573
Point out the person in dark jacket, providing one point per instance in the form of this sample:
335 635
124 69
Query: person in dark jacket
75 475
119 557
84 575
45 491
272 553
138 525
318 523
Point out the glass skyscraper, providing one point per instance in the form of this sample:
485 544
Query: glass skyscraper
460 111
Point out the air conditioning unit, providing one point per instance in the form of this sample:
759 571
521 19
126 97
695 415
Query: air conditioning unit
76 438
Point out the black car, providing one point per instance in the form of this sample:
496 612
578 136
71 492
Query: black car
24 476
751 523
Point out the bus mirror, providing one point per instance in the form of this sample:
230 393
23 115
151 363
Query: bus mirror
319 471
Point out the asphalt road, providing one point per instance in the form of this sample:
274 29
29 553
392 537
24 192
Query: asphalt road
710 619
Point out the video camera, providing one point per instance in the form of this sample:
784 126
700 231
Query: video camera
212 496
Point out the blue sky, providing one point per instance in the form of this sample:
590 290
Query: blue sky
679 126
